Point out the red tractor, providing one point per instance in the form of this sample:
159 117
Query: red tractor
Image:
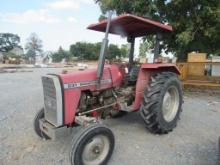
82 98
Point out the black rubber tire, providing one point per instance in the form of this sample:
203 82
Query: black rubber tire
36 124
151 107
84 136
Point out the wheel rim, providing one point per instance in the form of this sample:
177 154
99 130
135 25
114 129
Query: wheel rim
96 150
170 103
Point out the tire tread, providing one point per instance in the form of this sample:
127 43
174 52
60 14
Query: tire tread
150 101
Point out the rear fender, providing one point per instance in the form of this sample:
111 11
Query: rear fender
145 73
161 68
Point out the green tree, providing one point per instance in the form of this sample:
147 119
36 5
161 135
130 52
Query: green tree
145 46
8 41
196 26
91 51
113 52
196 23
33 47
9 55
102 17
60 55
84 50
145 8
124 50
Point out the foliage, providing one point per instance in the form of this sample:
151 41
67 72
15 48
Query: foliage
124 50
113 52
196 23
102 17
8 41
145 46
33 47
196 26
84 50
60 55
88 51
139 7
9 55
91 51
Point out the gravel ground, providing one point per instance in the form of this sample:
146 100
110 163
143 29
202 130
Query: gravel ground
193 142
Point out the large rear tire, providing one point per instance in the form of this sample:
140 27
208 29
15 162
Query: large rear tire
36 124
162 103
92 145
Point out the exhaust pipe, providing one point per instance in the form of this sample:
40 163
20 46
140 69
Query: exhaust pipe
104 49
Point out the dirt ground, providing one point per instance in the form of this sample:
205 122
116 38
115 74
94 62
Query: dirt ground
193 142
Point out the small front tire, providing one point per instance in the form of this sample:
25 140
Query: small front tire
93 145
36 124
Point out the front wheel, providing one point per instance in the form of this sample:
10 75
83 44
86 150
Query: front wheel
162 103
93 145
36 124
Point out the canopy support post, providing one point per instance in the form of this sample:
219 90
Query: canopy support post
157 46
104 48
131 41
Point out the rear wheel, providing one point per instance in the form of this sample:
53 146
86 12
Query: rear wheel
36 124
93 145
162 103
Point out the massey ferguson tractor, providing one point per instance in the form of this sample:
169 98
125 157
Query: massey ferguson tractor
84 98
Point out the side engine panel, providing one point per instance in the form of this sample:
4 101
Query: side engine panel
92 100
108 102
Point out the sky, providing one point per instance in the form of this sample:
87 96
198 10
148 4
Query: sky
56 22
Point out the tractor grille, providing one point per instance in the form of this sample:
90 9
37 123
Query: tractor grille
50 100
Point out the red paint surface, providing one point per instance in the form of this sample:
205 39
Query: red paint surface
117 74
71 100
72 96
130 25
148 70
162 67
114 72
142 82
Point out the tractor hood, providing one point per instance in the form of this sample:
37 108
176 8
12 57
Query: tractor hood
87 79
73 83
